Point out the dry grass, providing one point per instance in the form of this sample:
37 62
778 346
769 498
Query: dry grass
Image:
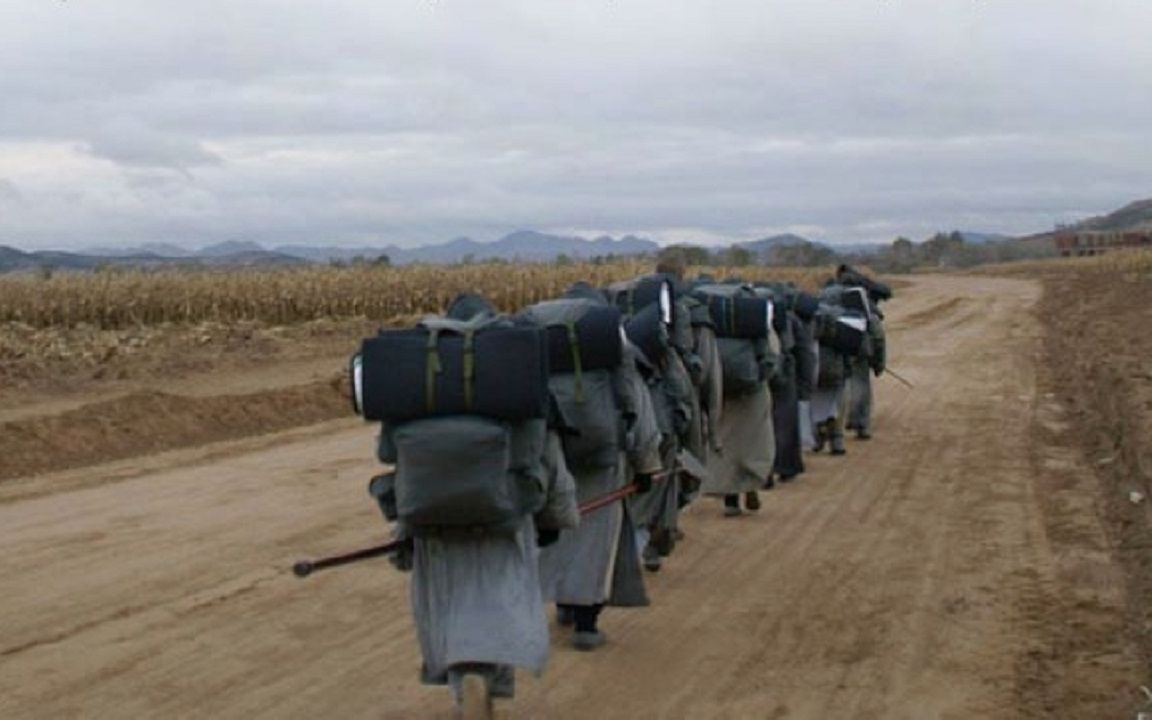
127 299
1126 263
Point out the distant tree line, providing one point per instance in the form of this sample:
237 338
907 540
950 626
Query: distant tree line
951 250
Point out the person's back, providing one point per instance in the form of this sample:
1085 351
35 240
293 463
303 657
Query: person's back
595 564
749 351
474 589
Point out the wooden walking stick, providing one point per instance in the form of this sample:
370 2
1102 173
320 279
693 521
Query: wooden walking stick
304 568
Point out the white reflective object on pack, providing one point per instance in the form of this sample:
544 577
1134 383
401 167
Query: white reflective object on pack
358 384
856 323
666 303
771 314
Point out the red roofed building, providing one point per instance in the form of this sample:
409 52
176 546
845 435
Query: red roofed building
1072 243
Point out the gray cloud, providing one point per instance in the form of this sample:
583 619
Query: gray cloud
131 143
9 193
354 121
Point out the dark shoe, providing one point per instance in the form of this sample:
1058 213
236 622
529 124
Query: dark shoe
731 505
565 616
503 682
652 559
863 435
588 641
787 478
769 483
821 433
838 445
663 541
752 500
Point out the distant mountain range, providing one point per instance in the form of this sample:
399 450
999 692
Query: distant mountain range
12 260
1133 216
520 246
523 245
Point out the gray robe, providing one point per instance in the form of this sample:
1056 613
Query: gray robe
747 445
710 394
828 398
660 507
747 441
808 358
860 395
477 599
786 403
598 562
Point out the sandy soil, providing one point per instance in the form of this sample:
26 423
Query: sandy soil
954 567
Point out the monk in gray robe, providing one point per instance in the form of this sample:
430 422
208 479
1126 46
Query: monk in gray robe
597 564
476 599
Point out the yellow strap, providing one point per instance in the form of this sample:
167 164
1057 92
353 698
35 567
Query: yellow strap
431 370
577 367
469 367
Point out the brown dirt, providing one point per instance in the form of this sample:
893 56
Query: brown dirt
71 397
1098 349
954 567
73 366
146 422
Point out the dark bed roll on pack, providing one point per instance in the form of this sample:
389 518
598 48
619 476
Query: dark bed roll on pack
577 327
700 314
406 376
856 298
805 306
634 296
844 333
737 316
647 331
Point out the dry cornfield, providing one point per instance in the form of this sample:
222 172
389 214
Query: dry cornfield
133 298
1122 262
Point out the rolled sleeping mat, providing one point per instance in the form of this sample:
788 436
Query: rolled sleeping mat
782 295
877 291
856 298
701 315
591 340
635 295
648 331
805 306
501 373
739 316
844 333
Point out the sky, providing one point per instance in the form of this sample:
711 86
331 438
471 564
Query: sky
369 122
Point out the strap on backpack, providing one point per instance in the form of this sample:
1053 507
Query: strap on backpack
577 367
469 367
431 370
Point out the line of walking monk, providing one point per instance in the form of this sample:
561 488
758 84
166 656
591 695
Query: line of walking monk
655 391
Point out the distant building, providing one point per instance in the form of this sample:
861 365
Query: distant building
1073 243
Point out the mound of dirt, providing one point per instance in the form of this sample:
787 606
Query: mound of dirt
148 422
42 363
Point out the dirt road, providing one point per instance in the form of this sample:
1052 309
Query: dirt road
951 567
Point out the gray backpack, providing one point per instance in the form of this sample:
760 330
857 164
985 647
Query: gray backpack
469 472
746 358
462 472
585 391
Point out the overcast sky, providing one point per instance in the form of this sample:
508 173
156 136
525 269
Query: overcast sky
414 121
